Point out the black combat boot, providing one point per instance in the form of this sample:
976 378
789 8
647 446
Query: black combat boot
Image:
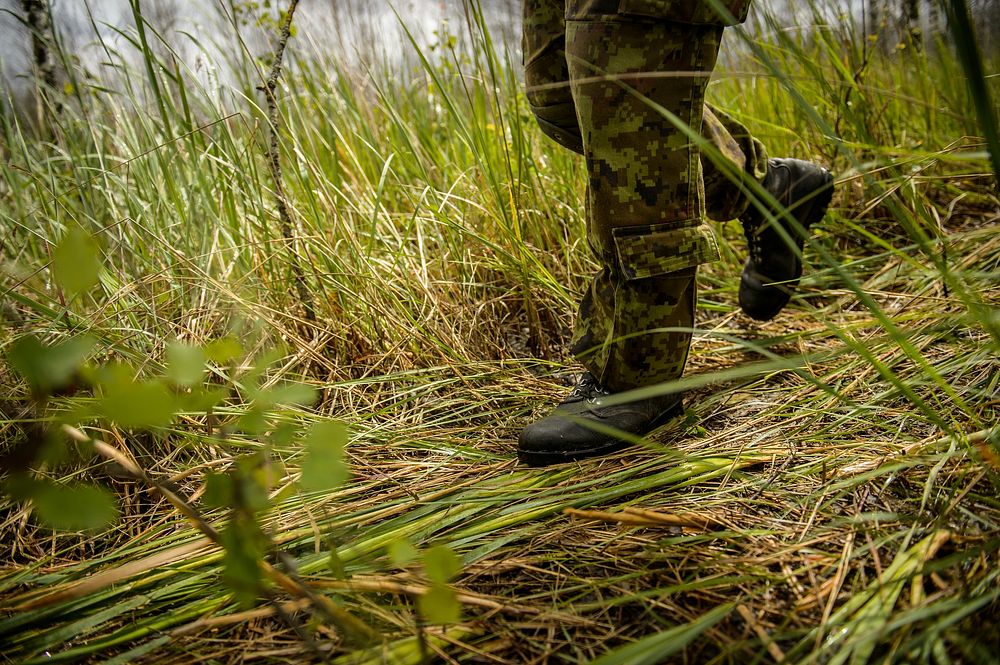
581 426
773 269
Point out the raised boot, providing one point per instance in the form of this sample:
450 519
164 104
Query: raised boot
773 269
584 426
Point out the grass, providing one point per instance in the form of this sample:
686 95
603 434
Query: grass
829 497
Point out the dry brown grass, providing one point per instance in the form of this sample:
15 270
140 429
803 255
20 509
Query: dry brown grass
835 477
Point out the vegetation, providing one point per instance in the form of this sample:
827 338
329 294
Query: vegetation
200 466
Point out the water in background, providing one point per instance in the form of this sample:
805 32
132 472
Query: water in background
211 39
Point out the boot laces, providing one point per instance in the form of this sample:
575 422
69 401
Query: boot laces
753 243
753 231
588 388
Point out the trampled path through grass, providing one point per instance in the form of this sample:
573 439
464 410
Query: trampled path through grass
829 496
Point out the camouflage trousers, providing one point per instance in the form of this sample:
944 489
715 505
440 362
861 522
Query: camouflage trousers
622 82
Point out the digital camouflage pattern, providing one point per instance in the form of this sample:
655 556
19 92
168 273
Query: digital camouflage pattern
609 79
632 333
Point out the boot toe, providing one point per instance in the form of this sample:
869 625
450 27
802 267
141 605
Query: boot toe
588 429
759 297
560 438
774 268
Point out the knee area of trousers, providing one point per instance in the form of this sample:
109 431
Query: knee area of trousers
558 122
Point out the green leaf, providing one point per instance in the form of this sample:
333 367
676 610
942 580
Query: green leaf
76 261
253 479
185 364
252 379
218 490
284 434
244 545
73 507
200 400
53 450
657 648
114 374
402 552
441 564
323 467
289 393
336 565
271 472
223 350
138 405
283 494
19 486
47 368
439 605
253 421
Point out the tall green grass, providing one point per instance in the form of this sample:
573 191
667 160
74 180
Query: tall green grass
847 451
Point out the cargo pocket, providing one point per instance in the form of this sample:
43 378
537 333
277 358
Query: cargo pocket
698 12
658 249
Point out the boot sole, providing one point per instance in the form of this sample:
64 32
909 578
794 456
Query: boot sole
549 457
817 207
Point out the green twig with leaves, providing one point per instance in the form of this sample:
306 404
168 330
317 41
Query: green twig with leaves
353 628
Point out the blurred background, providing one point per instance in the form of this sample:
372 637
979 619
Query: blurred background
211 37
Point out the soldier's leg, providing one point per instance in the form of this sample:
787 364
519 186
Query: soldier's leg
646 202
546 73
800 193
633 76
546 76
740 158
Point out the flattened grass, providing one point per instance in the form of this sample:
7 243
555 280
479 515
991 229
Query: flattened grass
840 497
